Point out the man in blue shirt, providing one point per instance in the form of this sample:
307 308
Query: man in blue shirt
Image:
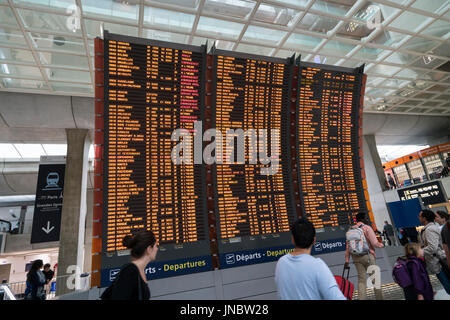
300 276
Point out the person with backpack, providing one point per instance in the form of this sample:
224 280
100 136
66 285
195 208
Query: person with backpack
431 242
410 273
361 244
35 282
131 282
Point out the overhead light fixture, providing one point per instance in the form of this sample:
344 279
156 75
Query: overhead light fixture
381 107
428 59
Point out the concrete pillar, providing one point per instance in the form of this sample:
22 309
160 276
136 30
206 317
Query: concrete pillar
73 217
377 200
376 160
88 233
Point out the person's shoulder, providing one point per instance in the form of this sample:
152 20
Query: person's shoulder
129 269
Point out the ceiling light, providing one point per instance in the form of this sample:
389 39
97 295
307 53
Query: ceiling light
381 107
428 59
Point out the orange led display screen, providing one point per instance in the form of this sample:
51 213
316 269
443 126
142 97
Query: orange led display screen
151 89
252 94
328 156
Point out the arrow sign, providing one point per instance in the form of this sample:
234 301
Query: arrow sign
48 229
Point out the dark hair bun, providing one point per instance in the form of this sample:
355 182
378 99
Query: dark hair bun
129 242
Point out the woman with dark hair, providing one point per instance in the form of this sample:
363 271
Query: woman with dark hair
35 282
131 282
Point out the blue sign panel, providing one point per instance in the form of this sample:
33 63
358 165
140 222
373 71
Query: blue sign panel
242 258
157 270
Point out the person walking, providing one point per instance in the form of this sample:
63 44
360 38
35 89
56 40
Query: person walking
431 242
415 272
48 273
35 282
445 236
131 282
300 276
362 260
389 232
441 218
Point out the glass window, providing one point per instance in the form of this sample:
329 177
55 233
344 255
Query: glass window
20 71
48 22
337 48
443 50
409 21
428 62
231 8
316 23
16 55
439 28
95 28
430 5
264 51
59 5
263 35
58 43
7 18
63 60
350 63
284 54
323 59
12 38
275 15
23 84
302 42
71 87
165 36
128 10
190 4
382 69
169 20
68 75
401 58
417 44
210 27
369 53
389 38
336 9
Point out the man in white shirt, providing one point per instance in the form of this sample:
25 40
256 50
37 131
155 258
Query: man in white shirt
300 276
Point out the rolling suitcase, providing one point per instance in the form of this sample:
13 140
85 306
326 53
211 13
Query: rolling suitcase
345 286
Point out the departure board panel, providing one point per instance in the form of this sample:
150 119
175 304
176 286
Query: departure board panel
152 89
252 94
328 144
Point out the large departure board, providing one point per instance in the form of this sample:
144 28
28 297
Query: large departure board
263 141
328 156
152 89
252 93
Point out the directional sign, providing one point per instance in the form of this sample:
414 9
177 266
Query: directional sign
49 199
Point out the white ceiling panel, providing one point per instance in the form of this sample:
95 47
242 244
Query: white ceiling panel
47 46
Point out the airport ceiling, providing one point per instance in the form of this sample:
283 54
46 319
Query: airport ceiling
46 46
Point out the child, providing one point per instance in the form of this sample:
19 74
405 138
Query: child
421 288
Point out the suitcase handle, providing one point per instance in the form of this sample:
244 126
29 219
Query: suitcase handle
348 272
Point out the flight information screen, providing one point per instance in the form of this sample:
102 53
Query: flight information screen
328 156
253 193
152 89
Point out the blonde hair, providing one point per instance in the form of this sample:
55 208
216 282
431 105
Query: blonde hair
412 249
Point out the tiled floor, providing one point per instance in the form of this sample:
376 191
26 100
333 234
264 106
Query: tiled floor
392 291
